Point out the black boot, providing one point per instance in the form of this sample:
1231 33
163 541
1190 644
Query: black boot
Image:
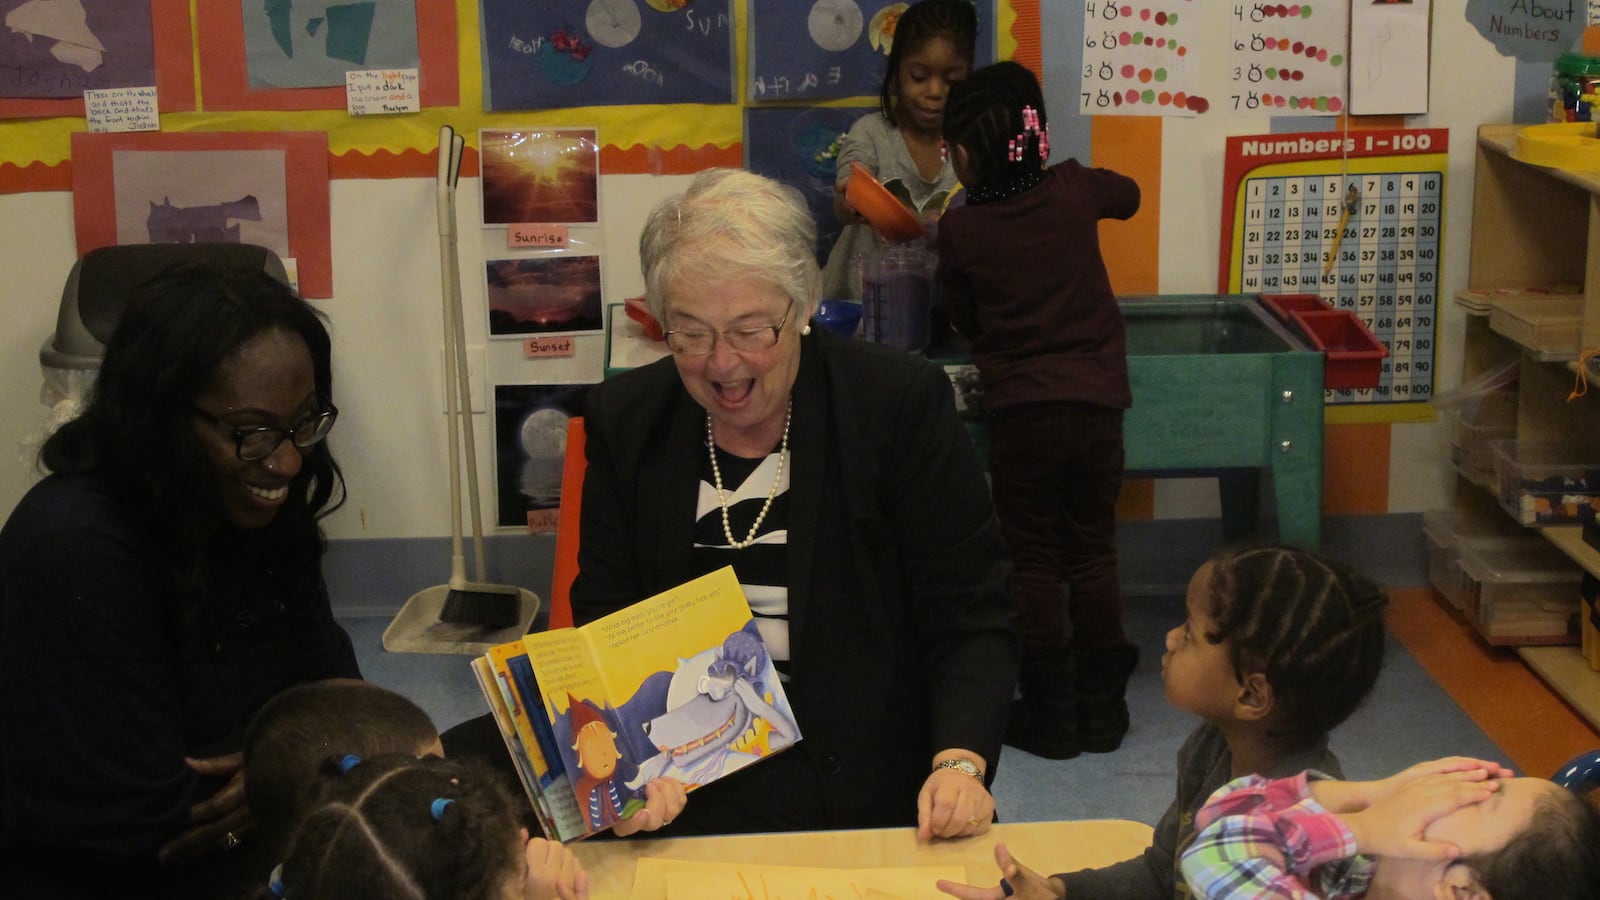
1103 674
1045 721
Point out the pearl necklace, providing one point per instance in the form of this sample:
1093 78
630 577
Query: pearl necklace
772 492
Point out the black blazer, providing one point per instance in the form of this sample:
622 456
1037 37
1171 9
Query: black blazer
901 633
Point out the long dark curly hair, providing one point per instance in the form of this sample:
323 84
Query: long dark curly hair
137 432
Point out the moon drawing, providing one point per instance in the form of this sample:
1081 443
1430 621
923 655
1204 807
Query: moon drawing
835 24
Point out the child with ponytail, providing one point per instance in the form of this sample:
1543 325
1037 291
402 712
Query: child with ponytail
398 826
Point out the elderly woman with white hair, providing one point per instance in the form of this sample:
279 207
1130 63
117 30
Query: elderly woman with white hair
837 479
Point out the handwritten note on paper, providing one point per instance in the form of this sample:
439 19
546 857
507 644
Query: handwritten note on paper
546 347
1289 60
121 109
536 236
381 92
1138 58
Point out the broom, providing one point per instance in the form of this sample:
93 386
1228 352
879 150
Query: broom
469 602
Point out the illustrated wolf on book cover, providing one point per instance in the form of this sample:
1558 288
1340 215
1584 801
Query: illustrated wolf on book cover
678 685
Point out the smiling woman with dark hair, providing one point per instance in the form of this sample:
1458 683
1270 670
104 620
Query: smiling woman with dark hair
160 585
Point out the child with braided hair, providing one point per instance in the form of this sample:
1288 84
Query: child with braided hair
1023 278
1280 646
399 827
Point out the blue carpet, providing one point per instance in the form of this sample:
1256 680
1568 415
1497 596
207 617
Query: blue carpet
1408 719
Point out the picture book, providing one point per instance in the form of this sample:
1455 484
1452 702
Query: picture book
678 685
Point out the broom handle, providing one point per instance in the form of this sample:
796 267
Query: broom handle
463 376
445 206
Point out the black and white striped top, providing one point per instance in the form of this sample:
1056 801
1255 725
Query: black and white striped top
762 567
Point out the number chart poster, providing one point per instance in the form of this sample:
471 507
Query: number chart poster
828 49
1357 219
554 54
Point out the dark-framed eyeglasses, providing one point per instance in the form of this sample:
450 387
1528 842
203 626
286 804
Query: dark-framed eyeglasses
254 442
700 342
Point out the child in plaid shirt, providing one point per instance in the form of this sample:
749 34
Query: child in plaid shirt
1449 829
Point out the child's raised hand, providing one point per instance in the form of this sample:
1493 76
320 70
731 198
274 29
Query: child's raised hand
553 872
1394 825
1016 880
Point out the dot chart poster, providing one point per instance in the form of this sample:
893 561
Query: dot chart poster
1138 57
1289 58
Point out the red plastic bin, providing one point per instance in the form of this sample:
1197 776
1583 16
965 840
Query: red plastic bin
1284 306
1355 355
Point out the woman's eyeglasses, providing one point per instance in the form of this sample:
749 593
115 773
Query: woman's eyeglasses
742 340
261 441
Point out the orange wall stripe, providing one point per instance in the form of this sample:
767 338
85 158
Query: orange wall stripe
1132 249
35 176
1355 469
1025 31
1137 500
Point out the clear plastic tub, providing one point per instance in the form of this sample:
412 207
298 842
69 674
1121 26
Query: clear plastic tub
1521 594
1448 530
1488 417
1546 484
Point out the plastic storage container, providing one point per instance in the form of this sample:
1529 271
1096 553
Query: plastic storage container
1573 83
1546 484
1447 531
1486 418
897 296
1521 594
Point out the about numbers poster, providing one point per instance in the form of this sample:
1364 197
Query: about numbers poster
1356 218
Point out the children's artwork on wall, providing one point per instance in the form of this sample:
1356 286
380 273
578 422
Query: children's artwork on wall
193 197
297 45
827 49
1139 58
1389 58
1291 60
51 51
530 427
540 176
798 146
267 188
287 55
550 294
553 54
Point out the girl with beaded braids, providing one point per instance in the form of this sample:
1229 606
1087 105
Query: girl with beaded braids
1022 276
1279 647
398 827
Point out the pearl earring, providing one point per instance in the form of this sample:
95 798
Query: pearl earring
805 329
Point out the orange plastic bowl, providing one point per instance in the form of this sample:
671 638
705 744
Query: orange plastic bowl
879 207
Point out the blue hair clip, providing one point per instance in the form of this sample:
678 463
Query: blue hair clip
1581 774
438 807
347 762
275 880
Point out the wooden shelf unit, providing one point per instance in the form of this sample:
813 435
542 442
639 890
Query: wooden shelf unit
1537 227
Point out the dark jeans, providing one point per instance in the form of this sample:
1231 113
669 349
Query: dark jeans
1057 468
